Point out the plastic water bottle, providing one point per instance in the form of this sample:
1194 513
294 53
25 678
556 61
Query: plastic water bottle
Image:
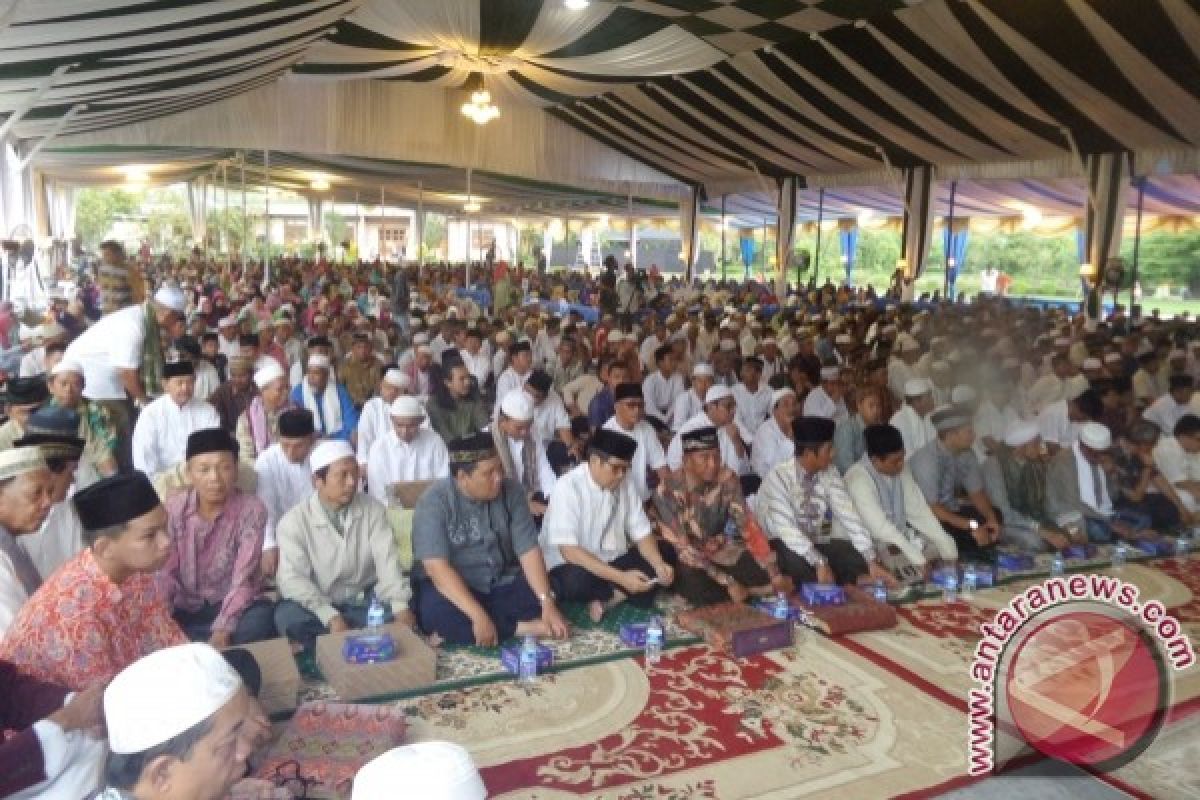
654 641
1058 566
881 592
1120 554
782 609
375 617
950 589
528 662
1182 546
970 580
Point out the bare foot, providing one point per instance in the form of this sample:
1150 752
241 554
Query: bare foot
533 627
596 610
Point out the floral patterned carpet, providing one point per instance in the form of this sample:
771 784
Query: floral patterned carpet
879 714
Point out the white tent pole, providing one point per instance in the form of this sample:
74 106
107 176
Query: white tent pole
242 167
225 209
267 214
382 218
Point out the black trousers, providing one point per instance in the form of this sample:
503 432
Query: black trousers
968 548
573 583
700 590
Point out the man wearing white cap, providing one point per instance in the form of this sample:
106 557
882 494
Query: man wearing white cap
26 487
1014 477
333 410
773 443
181 725
1077 487
374 422
121 355
406 453
912 420
95 427
691 402
773 361
428 770
829 399
720 412
334 549
902 365
227 344
521 452
258 425
162 430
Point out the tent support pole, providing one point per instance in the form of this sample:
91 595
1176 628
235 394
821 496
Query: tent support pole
723 237
267 216
817 257
1137 241
949 239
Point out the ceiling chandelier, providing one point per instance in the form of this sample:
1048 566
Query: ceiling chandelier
480 109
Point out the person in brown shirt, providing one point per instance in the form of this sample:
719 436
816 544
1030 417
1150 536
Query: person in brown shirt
361 370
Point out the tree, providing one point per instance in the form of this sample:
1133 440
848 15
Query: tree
97 209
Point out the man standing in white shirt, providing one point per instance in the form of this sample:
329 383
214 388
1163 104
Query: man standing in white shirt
593 518
407 452
753 398
662 387
162 430
648 462
284 477
691 402
829 399
913 419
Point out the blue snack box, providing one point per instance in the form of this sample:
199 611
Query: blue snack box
1079 551
985 576
941 575
823 594
1015 562
510 657
369 648
1155 547
633 634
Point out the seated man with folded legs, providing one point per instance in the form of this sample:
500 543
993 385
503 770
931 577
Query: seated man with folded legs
907 535
336 550
723 553
1077 493
947 470
212 577
478 575
812 522
593 517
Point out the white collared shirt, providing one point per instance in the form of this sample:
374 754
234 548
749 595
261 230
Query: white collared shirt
282 485
648 456
162 430
393 460
771 448
582 514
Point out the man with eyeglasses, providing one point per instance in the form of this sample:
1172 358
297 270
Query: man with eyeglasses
593 518
648 464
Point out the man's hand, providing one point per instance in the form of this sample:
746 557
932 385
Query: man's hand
782 583
1058 541
220 639
825 573
406 618
878 572
338 625
555 623
634 581
269 562
484 630
737 592
665 573
86 710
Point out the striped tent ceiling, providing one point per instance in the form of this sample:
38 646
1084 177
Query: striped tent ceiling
714 92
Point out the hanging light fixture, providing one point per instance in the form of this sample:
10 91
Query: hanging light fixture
480 109
576 5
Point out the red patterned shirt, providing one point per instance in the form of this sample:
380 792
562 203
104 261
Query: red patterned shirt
80 628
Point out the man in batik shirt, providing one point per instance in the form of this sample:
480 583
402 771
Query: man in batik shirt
723 553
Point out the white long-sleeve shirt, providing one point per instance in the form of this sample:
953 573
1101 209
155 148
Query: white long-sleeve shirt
915 430
582 514
162 430
660 393
687 405
820 404
793 510
919 517
648 456
282 485
771 448
753 408
393 460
